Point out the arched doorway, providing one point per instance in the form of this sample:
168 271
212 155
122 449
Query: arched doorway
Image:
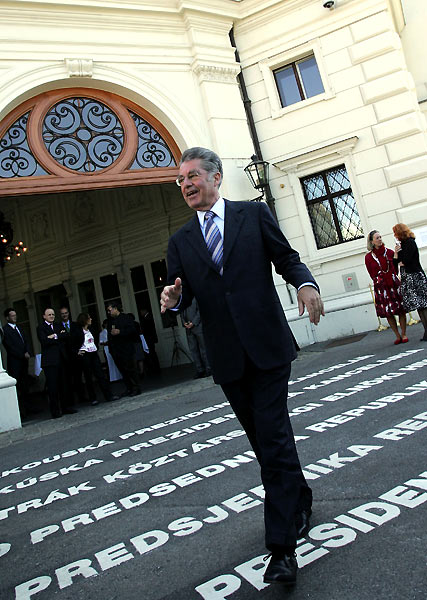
88 177
82 139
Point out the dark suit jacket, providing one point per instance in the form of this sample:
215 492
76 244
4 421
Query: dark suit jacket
123 344
16 347
53 351
71 339
240 310
192 314
148 329
409 255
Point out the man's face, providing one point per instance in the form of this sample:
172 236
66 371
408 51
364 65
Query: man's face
198 187
49 315
65 315
11 317
112 311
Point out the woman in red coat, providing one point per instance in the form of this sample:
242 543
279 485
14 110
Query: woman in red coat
381 263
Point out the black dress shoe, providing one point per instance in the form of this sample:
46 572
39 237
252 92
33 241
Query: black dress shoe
111 398
281 569
302 523
199 375
69 411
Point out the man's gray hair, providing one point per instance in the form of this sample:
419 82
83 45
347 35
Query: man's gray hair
210 161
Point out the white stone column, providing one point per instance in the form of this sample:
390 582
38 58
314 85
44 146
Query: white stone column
9 410
215 71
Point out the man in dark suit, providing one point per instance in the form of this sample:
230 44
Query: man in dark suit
53 362
72 366
121 344
223 258
148 330
18 353
194 330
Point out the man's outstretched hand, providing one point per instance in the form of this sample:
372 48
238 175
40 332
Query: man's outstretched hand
309 298
170 295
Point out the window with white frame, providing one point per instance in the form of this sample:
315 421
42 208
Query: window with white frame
298 81
331 207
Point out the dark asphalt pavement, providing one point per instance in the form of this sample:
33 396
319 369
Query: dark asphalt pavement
158 497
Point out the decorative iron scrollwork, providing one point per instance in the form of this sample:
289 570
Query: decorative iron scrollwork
152 151
16 159
83 134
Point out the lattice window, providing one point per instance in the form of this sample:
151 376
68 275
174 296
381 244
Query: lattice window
332 207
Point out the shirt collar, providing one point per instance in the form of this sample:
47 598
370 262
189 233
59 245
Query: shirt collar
218 208
12 325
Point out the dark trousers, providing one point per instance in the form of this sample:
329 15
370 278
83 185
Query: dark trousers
196 345
91 366
259 402
56 383
127 367
68 387
151 360
76 375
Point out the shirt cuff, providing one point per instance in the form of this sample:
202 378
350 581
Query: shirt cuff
176 307
308 283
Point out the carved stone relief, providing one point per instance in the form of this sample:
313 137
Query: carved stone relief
84 213
206 72
94 257
39 226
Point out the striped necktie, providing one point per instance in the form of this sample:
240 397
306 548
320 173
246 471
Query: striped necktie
213 240
18 332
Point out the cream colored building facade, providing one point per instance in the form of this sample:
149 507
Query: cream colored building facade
173 61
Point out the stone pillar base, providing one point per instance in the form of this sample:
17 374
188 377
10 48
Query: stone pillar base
9 410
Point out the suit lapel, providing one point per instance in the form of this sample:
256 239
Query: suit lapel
233 221
195 238
16 335
19 337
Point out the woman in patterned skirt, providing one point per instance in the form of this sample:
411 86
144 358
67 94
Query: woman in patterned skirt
381 263
414 280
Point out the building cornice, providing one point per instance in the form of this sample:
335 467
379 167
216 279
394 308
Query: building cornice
300 160
209 72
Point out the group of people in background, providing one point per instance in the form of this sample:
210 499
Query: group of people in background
70 360
400 284
69 355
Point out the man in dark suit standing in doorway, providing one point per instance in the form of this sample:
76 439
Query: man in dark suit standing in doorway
121 344
223 258
192 322
53 362
18 353
148 330
73 371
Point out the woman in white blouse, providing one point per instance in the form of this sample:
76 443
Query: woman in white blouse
86 348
